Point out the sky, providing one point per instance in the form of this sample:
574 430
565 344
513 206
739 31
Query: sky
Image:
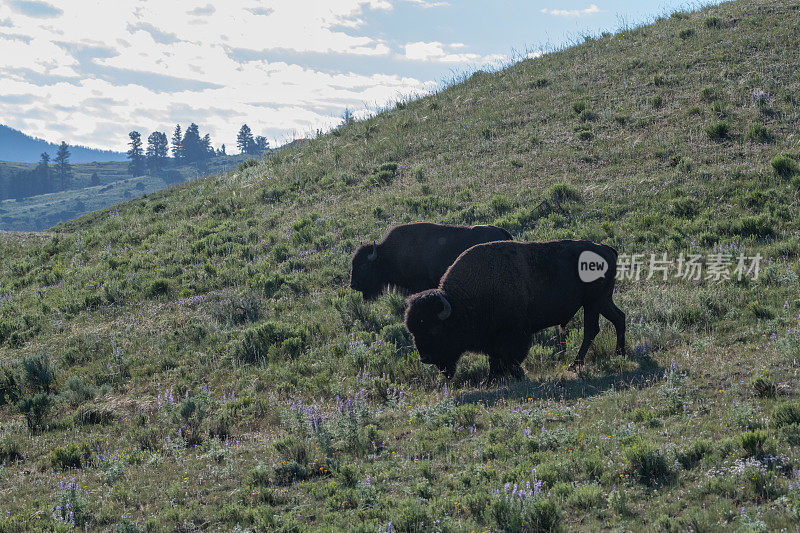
90 71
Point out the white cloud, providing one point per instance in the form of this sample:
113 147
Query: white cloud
572 12
443 53
428 3
87 75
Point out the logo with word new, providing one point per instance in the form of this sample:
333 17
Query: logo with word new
591 266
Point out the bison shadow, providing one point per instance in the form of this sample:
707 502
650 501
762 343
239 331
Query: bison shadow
563 388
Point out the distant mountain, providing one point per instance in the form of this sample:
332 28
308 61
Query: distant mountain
21 148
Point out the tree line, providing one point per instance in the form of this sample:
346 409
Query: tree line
44 178
187 147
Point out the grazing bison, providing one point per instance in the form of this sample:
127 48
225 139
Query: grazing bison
413 257
497 295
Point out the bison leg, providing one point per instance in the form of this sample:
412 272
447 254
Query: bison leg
499 369
591 327
561 337
507 354
617 317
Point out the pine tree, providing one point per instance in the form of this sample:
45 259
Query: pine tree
192 144
221 150
208 150
136 166
94 179
244 140
62 166
157 151
42 172
177 144
261 144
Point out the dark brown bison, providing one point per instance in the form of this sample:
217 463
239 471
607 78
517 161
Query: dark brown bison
413 257
497 295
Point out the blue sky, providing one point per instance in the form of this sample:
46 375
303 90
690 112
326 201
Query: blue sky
89 72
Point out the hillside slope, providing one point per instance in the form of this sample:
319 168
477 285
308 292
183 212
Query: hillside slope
196 360
18 146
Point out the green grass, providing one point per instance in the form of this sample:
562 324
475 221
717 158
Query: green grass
196 360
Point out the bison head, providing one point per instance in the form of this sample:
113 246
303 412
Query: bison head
429 320
365 272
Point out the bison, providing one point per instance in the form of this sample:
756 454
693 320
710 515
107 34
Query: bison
495 296
413 257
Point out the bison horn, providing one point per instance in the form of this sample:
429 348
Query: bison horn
374 253
445 313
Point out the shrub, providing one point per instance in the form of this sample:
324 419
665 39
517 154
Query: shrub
690 456
244 165
763 387
584 135
585 497
718 131
784 166
10 450
579 106
388 167
563 191
70 455
500 203
268 340
685 165
9 388
656 101
384 174
396 334
348 476
684 207
419 172
467 414
38 372
786 413
236 309
353 309
756 225
530 515
471 370
157 287
288 473
708 93
89 415
712 22
36 410
686 33
758 133
719 108
77 390
648 464
756 443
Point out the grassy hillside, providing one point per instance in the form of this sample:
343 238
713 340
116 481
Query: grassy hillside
195 359
35 213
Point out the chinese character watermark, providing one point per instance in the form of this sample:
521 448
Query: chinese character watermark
718 266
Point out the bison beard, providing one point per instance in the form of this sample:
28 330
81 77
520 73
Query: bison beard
495 296
413 257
